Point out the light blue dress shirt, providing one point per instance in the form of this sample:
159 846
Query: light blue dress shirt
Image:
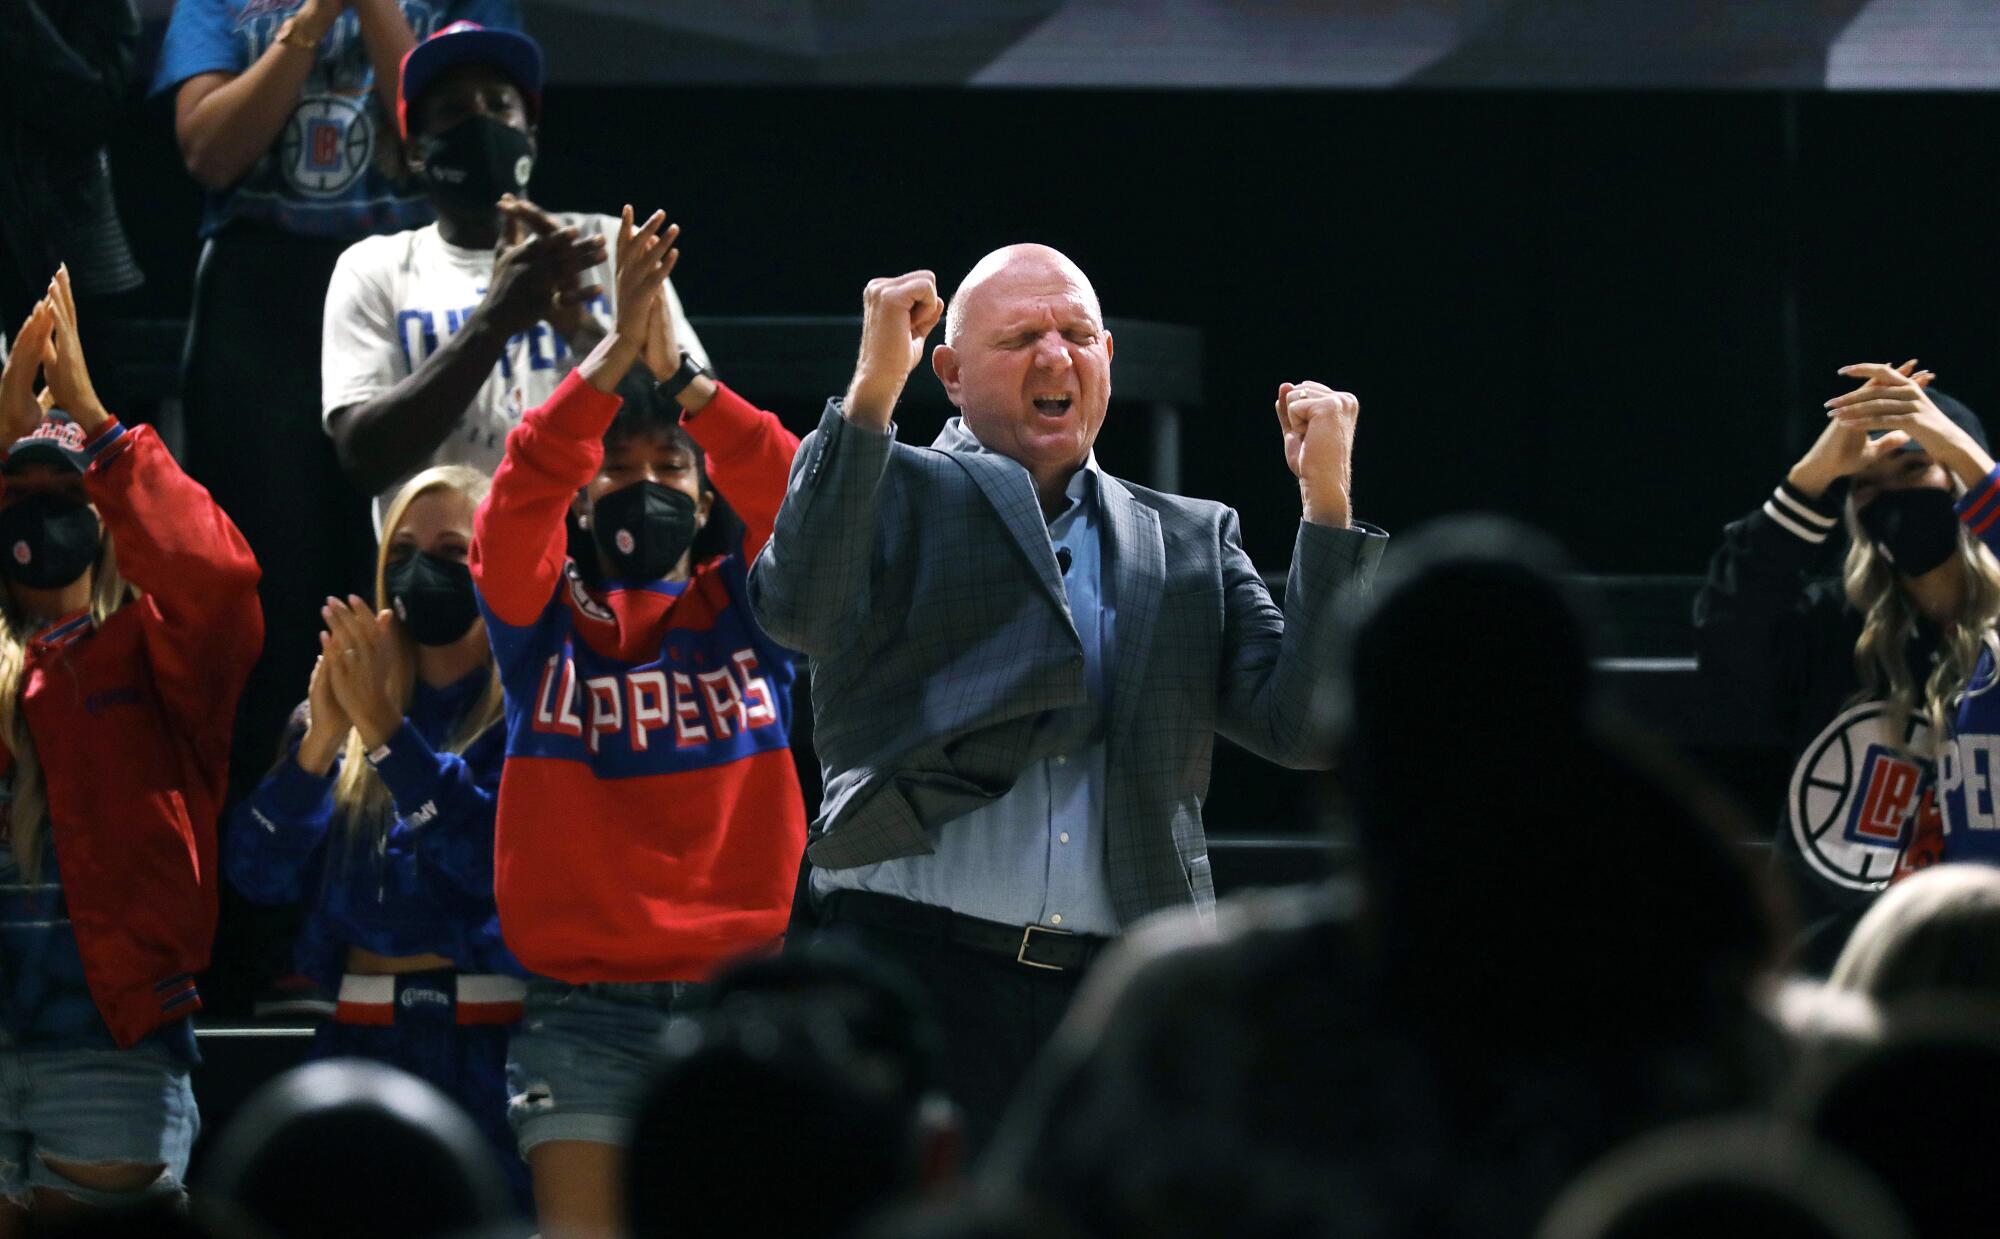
1036 856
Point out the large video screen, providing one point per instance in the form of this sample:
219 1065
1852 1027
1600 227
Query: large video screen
1639 44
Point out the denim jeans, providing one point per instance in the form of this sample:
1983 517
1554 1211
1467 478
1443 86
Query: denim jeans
583 1056
94 1106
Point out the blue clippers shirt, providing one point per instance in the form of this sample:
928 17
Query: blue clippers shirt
423 887
336 170
1969 762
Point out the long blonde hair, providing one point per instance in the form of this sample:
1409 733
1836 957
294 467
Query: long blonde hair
29 811
359 795
1889 621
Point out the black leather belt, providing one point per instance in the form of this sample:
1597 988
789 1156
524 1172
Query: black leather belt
1032 946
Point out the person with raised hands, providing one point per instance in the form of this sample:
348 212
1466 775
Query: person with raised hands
650 819
1859 663
379 818
1021 662
1957 521
128 623
438 339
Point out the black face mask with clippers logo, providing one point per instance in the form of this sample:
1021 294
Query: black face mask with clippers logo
1917 529
643 529
47 541
473 163
432 597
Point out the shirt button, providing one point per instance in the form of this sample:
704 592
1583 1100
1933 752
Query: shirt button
1056 919
1063 837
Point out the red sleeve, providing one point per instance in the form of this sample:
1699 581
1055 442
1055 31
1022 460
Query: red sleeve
518 545
749 461
202 623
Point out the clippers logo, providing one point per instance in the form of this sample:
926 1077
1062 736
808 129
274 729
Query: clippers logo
624 540
417 996
1969 768
326 145
688 709
1857 793
523 167
65 435
22 552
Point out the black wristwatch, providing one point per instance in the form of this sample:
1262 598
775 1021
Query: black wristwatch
677 382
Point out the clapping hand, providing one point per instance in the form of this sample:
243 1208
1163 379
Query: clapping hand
564 309
20 408
1843 450
646 256
898 313
63 364
1318 424
1891 398
327 724
359 656
536 272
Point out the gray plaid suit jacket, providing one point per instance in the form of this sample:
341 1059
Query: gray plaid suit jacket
922 583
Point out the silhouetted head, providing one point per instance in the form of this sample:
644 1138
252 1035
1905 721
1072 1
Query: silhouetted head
1521 858
346 1147
819 1068
1724 1178
1918 1108
1934 932
1472 634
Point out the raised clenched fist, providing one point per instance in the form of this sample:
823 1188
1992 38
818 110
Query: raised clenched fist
897 314
1318 424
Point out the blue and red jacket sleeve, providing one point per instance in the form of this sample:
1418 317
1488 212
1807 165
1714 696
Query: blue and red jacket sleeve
275 841
202 623
749 460
445 804
518 542
1979 508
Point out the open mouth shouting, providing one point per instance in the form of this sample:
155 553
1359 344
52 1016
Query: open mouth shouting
1053 404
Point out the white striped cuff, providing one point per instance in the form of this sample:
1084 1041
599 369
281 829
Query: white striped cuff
1798 518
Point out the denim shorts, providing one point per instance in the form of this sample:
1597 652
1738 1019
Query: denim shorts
583 1055
94 1106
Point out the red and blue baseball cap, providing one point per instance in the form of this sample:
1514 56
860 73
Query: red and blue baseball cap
463 43
57 441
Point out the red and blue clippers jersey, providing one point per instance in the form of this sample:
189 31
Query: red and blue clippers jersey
1969 764
650 820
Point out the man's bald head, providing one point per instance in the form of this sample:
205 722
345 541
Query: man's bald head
1008 264
1027 361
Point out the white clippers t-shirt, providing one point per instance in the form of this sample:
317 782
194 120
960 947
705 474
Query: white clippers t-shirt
394 300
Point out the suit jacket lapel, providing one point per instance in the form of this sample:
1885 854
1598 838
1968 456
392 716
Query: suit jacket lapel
1137 557
1012 493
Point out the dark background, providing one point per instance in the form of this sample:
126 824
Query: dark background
1613 314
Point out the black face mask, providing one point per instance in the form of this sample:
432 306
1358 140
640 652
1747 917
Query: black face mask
1917 528
48 541
643 529
432 596
472 163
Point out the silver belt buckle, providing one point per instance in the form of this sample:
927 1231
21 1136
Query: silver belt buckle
1027 934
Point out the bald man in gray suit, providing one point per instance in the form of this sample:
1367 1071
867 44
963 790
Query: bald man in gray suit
1020 662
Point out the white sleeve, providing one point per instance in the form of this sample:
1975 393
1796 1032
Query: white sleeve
359 355
684 331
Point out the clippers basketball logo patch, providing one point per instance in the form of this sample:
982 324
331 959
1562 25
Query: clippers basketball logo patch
326 145
1858 792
